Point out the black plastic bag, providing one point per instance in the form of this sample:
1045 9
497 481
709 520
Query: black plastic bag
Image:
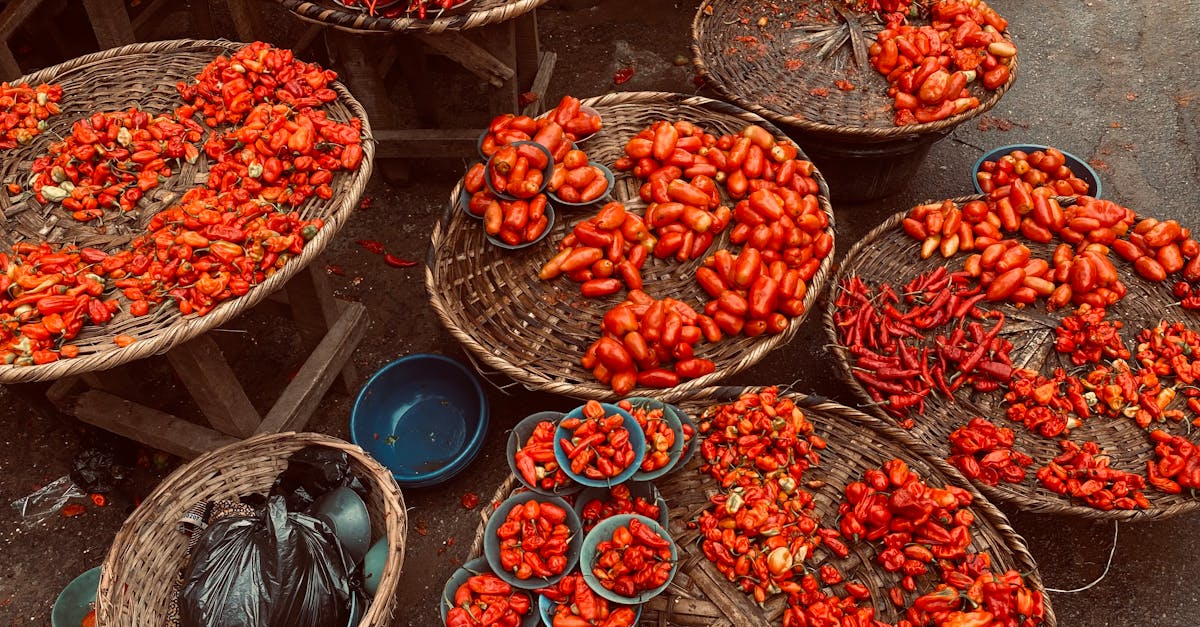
96 471
311 472
278 569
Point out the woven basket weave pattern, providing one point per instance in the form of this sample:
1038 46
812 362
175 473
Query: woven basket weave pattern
887 254
481 13
136 582
756 74
700 595
535 331
144 75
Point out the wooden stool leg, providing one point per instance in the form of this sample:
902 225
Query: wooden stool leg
315 311
358 70
501 41
529 49
208 378
110 22
413 68
246 20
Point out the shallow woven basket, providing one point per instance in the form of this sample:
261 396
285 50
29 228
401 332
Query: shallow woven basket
888 254
144 75
755 73
478 13
700 594
146 555
535 331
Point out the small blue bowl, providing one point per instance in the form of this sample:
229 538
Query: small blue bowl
603 532
517 438
644 489
546 172
491 541
75 600
423 416
636 438
1078 166
693 445
474 567
675 453
495 241
608 175
547 609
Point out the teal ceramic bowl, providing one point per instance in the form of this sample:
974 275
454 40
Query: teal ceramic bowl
1078 166
491 541
517 438
644 489
608 175
636 438
474 567
373 566
346 514
603 532
547 609
693 445
75 600
675 453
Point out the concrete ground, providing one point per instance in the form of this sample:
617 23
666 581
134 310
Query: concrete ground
1113 82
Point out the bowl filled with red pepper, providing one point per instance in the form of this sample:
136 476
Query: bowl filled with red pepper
517 224
1037 165
531 459
691 443
463 595
532 540
628 559
572 602
599 444
663 433
594 505
519 171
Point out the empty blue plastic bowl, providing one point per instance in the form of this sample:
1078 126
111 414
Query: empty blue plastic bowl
1078 166
74 602
423 416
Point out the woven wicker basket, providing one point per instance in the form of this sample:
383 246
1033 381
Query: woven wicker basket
535 331
144 75
700 595
888 254
136 584
480 13
755 73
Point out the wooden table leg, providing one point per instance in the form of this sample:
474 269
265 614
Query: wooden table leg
110 22
529 49
501 41
206 374
246 19
315 311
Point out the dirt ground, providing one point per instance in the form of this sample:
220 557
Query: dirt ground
1114 82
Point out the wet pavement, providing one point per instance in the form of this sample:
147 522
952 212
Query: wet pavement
1113 82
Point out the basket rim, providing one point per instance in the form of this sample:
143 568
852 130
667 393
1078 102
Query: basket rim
395 519
191 326
346 19
904 442
1033 502
592 389
864 134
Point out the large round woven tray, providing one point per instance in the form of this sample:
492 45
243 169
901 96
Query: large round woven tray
136 581
770 71
888 254
480 13
700 595
144 75
535 331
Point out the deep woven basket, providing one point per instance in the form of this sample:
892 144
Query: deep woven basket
144 75
888 254
480 13
755 73
535 331
146 555
700 594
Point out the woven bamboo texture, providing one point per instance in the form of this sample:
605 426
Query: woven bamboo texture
480 13
535 331
701 596
773 71
144 75
136 581
888 254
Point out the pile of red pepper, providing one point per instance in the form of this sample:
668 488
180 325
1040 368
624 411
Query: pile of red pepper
598 446
651 343
535 459
110 160
24 111
486 600
572 122
887 340
975 596
984 452
1158 249
533 540
1040 167
635 559
660 437
1084 473
619 501
928 67
1088 338
603 252
1120 390
228 88
576 605
1049 406
1176 463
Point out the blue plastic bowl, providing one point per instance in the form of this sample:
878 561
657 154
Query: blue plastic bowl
604 531
474 567
548 609
491 541
644 489
1078 166
636 438
74 602
517 438
693 445
546 172
675 453
608 190
423 416
495 241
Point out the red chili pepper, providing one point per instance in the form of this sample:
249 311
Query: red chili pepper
397 262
